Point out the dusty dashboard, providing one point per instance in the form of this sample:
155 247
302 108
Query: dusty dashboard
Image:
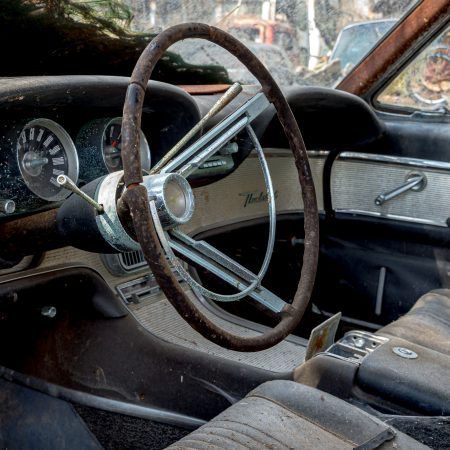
51 126
71 126
75 121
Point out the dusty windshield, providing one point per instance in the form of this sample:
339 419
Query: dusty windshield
302 42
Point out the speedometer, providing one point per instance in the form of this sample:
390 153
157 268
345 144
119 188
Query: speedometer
99 145
44 151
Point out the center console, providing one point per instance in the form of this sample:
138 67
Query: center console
388 373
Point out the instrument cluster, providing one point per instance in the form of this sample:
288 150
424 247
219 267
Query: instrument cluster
35 152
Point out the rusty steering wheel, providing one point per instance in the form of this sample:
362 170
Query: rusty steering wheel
140 202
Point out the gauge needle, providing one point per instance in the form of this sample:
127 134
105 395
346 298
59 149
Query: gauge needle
116 142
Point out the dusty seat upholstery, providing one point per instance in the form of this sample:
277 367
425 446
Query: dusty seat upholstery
286 415
427 323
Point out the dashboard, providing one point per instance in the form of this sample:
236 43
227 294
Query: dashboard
349 154
71 126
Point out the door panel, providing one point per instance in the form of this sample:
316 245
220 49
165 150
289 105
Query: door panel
377 260
358 179
375 269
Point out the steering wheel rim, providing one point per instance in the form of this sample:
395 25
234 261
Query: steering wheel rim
135 195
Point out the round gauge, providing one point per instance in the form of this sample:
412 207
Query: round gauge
99 145
44 151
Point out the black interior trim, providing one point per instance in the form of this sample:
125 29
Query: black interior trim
79 348
328 119
100 402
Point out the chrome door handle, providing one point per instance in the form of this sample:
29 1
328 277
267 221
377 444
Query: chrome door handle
414 181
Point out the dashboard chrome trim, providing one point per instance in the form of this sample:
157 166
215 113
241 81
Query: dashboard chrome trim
398 160
390 216
278 152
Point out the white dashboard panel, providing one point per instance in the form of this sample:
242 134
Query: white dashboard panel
242 195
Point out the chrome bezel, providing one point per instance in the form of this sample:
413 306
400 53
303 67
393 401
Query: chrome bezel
144 148
156 186
109 222
68 148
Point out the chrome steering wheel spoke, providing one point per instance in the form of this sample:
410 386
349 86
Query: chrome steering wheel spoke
196 154
224 267
202 253
212 259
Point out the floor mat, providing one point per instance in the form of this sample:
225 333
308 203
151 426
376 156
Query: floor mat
117 431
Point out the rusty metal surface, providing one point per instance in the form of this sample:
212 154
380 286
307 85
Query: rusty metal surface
322 336
375 65
136 195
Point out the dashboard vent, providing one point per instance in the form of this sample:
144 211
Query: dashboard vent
123 264
120 264
132 260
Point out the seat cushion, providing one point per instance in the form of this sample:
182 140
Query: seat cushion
286 415
426 324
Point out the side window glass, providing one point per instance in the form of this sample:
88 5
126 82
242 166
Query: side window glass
425 84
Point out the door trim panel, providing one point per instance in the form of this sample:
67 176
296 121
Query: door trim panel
358 178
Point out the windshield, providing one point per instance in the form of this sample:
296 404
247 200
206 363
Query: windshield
301 42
